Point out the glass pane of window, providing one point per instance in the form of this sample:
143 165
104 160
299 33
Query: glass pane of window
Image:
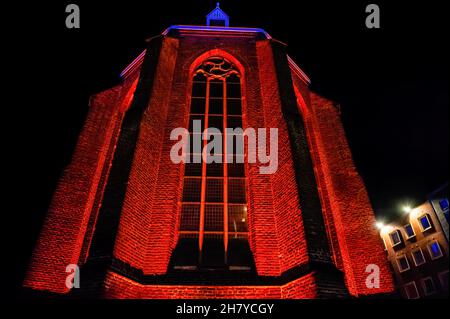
185 256
425 222
409 230
239 254
216 88
193 169
234 107
213 254
192 189
214 169
237 218
214 190
216 106
403 263
443 278
198 105
216 122
233 90
199 89
395 238
435 250
411 291
190 217
214 217
428 286
236 170
418 257
234 78
444 204
236 190
234 122
199 77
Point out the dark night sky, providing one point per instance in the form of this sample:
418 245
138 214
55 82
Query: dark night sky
392 83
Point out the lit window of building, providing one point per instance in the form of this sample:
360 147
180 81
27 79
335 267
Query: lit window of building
435 250
418 257
403 263
443 203
213 227
409 231
425 222
396 238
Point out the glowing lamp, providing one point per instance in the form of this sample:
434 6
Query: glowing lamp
407 209
380 225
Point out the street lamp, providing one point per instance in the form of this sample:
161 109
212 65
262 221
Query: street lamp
407 209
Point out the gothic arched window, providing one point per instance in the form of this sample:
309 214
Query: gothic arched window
213 231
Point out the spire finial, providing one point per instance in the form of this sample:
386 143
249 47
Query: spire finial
218 5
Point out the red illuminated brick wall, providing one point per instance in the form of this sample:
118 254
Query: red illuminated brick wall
141 224
148 222
119 287
149 216
347 209
70 219
286 204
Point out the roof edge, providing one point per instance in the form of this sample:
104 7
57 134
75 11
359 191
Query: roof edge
202 28
138 61
299 72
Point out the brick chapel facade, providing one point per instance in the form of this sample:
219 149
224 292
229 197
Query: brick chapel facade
140 226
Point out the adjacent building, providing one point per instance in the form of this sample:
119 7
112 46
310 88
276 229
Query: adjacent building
417 248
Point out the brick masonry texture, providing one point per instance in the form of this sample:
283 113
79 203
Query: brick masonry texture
119 287
351 223
126 145
67 224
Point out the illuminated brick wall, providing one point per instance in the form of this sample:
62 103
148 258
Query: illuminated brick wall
119 287
65 234
311 227
351 219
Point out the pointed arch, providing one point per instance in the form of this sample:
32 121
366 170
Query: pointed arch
217 52
213 228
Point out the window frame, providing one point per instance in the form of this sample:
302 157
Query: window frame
431 252
424 287
399 264
414 257
210 82
397 231
411 283
441 279
440 205
429 222
406 232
